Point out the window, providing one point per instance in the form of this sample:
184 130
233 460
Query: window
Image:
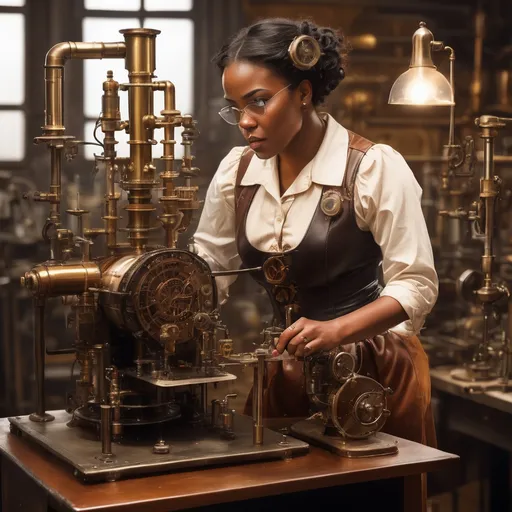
12 84
174 53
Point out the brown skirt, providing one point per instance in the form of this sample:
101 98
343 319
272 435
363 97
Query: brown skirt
396 362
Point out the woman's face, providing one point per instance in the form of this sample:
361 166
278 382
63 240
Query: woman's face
268 134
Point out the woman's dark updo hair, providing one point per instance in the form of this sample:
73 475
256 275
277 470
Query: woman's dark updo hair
267 42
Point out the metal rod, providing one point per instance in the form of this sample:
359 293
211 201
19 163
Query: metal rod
489 211
106 429
60 351
220 273
39 352
55 197
100 374
451 136
258 420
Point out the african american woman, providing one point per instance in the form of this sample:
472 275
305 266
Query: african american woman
341 214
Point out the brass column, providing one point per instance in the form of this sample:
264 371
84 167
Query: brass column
140 177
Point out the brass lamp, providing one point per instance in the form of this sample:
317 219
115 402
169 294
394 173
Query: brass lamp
422 84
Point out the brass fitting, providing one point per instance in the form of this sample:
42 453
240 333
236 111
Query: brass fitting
63 279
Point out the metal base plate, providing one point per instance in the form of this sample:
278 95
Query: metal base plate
190 446
312 431
183 377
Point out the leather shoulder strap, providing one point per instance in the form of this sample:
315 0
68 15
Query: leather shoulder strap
243 195
243 165
357 147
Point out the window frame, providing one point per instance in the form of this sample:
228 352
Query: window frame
141 15
24 106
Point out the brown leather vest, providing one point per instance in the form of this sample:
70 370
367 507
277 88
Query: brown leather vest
334 270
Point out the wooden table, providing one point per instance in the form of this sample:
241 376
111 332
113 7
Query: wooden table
33 480
485 416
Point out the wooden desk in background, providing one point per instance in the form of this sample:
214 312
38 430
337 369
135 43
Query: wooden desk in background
35 481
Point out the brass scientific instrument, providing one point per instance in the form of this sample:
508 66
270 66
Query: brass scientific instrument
351 408
491 294
422 84
145 316
348 409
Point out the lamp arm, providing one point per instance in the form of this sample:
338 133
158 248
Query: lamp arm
459 155
440 46
451 135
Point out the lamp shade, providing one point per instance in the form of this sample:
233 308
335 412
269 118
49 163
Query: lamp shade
422 84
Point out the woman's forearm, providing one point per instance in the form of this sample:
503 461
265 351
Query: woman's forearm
370 320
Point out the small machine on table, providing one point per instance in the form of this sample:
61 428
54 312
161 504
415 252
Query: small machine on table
145 317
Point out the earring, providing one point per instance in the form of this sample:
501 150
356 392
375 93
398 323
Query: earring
304 103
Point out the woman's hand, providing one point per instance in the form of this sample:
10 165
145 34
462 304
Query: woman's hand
305 337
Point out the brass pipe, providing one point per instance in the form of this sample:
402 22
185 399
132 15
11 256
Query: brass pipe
39 359
169 112
92 232
100 374
423 159
63 279
54 198
140 63
53 129
188 193
114 400
56 58
111 217
171 217
110 123
488 193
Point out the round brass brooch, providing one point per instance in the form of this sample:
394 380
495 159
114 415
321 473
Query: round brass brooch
275 270
331 203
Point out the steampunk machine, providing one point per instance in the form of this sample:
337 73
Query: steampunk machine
145 317
485 291
348 409
351 408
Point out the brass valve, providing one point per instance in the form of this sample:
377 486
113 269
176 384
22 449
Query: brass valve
227 417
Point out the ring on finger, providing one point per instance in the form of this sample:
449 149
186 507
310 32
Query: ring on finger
304 339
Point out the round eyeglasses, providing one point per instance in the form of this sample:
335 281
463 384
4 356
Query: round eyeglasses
233 115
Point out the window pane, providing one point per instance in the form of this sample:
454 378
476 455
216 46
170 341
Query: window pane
12 135
113 5
13 3
95 71
123 149
12 57
168 5
174 60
